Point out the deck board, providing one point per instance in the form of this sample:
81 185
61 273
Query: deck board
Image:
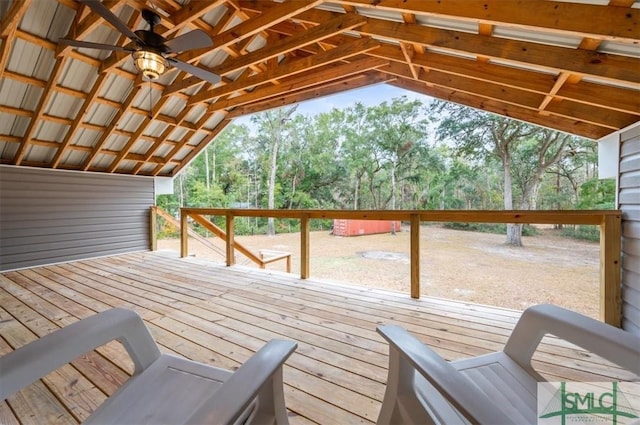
220 315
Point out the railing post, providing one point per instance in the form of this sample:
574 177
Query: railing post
610 265
415 256
231 255
304 246
184 234
153 228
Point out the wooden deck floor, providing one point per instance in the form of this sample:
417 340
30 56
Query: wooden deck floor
221 316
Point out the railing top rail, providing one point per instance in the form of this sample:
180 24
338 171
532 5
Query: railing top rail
595 217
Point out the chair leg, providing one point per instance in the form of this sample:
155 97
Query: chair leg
271 406
400 404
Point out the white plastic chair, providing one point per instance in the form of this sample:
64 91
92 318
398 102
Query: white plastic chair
164 389
496 388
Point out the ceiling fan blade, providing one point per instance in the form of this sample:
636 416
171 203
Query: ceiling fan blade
89 45
195 39
97 7
194 70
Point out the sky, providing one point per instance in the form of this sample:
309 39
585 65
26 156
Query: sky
369 96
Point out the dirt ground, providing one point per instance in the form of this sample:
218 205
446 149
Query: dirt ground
460 265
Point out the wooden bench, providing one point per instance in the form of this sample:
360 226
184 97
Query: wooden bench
269 256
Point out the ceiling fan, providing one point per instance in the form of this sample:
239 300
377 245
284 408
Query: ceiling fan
151 53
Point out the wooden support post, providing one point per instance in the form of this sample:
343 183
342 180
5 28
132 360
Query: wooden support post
610 265
184 234
415 256
153 228
231 255
304 246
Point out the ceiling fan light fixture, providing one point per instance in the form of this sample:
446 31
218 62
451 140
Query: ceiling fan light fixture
151 64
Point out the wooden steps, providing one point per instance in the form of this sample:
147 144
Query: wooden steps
221 315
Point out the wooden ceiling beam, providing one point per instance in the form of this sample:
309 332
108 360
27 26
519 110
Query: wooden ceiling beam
90 22
321 90
124 150
531 116
202 145
174 151
311 78
614 120
613 67
40 109
15 111
92 96
488 90
25 79
5 48
288 44
34 39
194 10
152 149
76 125
13 16
493 73
596 21
126 103
179 120
293 67
611 97
279 13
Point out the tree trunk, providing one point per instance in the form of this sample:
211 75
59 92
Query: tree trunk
271 201
207 176
514 231
356 193
393 197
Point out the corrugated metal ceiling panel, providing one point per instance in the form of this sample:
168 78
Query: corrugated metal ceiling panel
63 105
553 39
116 88
78 75
51 131
195 114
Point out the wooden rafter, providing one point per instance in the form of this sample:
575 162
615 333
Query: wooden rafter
607 23
249 28
272 53
512 111
326 74
114 122
89 99
13 16
40 110
558 58
294 67
347 83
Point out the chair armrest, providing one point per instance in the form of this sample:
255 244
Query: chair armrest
36 359
456 388
615 345
237 393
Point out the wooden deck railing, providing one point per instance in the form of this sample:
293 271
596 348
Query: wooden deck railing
608 221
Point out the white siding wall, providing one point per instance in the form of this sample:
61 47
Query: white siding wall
629 199
50 216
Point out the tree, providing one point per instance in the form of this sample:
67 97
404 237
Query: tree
275 130
526 152
399 135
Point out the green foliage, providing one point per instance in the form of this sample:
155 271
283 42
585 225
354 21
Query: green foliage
389 156
597 194
582 232
497 228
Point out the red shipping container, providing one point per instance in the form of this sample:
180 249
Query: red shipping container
346 227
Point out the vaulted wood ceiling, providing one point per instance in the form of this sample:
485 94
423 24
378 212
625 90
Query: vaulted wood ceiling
569 65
